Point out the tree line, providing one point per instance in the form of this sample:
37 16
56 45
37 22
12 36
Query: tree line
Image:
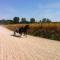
17 20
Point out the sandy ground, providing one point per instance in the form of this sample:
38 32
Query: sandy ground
27 48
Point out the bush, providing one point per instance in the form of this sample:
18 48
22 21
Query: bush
51 34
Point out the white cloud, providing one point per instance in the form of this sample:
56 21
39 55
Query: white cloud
50 10
8 12
49 5
10 9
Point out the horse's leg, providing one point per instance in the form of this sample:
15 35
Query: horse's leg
25 34
14 33
20 34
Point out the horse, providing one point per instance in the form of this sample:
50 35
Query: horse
22 30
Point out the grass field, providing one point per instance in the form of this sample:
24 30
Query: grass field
46 30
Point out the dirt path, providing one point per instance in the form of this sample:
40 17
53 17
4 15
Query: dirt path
27 48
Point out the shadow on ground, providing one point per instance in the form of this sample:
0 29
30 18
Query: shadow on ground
15 35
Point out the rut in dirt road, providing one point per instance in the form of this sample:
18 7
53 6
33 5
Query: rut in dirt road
27 48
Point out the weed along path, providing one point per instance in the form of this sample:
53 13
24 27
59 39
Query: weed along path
27 48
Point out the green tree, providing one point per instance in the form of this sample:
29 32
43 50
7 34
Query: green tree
40 21
46 20
23 20
32 20
16 20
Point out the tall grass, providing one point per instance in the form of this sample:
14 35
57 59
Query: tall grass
46 30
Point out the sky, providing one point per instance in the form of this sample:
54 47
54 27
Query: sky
37 9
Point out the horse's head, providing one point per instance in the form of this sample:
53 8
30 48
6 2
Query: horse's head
27 26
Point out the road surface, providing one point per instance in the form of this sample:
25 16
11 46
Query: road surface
27 48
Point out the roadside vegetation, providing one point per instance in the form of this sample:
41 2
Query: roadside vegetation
44 28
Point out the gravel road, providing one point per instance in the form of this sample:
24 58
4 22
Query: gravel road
27 48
